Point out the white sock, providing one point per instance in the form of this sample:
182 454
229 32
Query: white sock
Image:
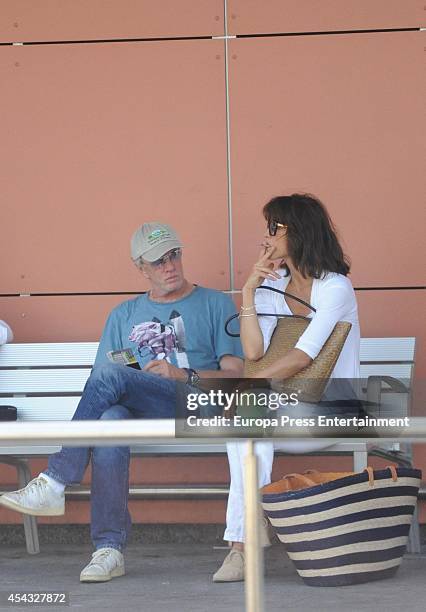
58 487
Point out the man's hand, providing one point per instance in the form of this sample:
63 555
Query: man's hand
165 369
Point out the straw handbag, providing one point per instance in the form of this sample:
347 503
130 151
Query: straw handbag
344 528
311 381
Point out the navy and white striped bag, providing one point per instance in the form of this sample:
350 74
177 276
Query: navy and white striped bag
348 530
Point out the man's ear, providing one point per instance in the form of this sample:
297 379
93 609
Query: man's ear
144 272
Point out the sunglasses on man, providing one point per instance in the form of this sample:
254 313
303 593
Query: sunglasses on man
173 255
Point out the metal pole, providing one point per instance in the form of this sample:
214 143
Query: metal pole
147 431
253 550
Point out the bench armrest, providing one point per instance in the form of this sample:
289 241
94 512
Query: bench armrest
375 387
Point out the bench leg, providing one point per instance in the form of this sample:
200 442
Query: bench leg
30 522
413 544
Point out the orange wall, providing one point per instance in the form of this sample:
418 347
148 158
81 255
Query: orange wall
128 124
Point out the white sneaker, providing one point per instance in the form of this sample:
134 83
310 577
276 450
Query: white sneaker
37 498
106 563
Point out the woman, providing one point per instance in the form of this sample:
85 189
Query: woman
301 239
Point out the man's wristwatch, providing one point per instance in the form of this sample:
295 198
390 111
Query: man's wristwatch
193 377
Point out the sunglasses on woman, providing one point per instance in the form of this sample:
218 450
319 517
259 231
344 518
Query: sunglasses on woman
273 227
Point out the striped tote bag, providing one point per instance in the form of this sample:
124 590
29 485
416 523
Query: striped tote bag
344 528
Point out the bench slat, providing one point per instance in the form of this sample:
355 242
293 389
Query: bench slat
387 349
73 381
42 408
397 370
43 381
63 408
176 447
48 354
147 449
83 353
29 450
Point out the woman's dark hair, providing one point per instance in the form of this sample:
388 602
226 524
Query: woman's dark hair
312 241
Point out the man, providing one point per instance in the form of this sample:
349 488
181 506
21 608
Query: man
176 332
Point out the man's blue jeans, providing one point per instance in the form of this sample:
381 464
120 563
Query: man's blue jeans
112 392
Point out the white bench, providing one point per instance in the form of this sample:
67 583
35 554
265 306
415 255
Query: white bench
45 382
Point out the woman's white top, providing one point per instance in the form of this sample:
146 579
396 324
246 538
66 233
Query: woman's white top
334 299
6 334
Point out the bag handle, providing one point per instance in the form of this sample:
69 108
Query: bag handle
290 295
306 481
309 482
370 472
270 314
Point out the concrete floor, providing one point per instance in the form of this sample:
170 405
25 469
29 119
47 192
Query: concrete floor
177 577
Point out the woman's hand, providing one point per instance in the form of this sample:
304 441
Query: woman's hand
251 334
263 268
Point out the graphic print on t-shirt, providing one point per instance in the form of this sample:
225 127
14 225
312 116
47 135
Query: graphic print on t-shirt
157 340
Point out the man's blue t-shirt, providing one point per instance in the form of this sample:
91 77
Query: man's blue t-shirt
189 332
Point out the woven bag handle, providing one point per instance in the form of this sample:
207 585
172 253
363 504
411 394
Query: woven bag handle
307 481
370 472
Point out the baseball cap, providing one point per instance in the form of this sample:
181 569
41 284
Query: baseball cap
152 240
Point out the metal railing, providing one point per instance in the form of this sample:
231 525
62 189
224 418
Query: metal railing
127 432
